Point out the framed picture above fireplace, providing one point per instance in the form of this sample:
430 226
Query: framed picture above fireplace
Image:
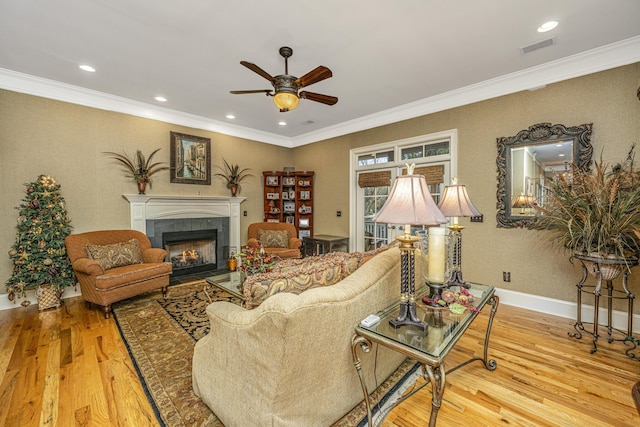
190 159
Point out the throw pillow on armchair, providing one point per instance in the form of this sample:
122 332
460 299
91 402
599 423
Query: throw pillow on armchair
274 238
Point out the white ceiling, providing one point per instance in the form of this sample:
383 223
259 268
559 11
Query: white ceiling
391 60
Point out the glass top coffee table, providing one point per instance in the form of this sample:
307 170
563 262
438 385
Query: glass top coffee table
428 347
229 282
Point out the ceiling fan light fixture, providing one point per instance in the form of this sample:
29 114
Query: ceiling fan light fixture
285 100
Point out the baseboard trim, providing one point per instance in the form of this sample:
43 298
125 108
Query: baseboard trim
5 304
537 303
563 308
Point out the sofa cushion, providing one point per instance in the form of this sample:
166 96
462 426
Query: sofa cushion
274 238
298 275
129 275
294 277
116 255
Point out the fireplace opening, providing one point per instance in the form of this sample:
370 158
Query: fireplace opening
191 251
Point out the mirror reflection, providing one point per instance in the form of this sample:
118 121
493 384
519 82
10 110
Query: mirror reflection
531 158
531 166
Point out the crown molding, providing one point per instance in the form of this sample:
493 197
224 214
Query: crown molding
588 62
46 88
603 58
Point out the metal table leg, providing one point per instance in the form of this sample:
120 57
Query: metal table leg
365 345
437 378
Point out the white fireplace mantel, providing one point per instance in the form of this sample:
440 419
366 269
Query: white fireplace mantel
144 207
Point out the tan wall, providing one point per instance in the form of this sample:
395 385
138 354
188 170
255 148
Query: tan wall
606 99
65 141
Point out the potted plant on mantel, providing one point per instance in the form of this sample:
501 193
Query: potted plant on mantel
595 214
233 175
139 168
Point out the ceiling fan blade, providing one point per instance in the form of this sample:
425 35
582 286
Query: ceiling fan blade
242 92
318 97
314 76
258 70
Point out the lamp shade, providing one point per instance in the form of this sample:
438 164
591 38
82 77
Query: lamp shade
455 202
410 202
521 202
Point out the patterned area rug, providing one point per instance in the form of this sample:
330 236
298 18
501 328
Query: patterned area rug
160 336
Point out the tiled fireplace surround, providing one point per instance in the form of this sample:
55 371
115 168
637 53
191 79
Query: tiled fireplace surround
153 215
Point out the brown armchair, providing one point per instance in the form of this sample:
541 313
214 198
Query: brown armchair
272 235
110 268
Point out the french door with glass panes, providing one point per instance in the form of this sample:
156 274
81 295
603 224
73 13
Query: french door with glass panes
373 189
375 167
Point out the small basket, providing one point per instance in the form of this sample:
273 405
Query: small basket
47 297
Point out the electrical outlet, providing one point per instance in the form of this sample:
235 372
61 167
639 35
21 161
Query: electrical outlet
339 213
245 213
478 218
506 276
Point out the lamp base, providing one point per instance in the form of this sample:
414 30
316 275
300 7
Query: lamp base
408 316
456 280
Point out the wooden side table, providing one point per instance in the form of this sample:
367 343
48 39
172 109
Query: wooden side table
323 243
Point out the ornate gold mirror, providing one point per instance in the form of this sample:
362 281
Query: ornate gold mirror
525 161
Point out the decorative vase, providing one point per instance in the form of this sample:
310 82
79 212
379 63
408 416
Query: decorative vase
234 190
142 186
232 263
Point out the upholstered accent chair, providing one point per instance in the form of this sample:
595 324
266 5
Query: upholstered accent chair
278 238
113 265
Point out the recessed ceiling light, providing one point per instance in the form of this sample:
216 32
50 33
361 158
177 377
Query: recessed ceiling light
282 123
160 98
560 155
547 26
88 68
558 145
230 116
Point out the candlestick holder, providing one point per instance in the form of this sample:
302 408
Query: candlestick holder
435 258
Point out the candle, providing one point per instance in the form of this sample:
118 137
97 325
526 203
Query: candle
436 255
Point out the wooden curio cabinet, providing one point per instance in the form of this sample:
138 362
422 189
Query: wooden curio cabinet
288 197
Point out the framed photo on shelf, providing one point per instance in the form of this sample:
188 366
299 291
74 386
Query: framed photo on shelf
272 180
290 219
289 180
273 196
190 159
303 222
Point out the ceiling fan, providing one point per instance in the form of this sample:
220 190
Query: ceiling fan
285 87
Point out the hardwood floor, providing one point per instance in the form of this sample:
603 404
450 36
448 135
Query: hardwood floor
543 378
69 367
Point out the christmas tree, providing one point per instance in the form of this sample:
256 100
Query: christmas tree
39 255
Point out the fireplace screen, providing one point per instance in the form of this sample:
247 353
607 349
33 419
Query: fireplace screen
191 251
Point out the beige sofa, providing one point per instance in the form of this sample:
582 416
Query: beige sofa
288 361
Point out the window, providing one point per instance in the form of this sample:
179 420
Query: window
373 169
425 150
376 158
